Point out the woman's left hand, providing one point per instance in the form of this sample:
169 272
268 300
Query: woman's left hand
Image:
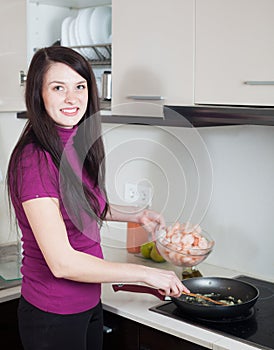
150 220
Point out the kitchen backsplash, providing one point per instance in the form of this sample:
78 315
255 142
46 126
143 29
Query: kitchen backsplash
219 177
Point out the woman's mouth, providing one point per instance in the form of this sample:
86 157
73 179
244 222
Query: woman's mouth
70 111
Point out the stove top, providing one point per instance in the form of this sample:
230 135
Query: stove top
256 327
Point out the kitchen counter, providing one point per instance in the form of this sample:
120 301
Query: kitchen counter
135 306
10 293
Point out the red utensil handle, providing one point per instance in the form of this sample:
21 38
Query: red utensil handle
138 289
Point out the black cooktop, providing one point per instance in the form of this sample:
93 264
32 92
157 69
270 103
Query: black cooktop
255 328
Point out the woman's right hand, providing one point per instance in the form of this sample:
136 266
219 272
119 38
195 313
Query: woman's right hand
166 281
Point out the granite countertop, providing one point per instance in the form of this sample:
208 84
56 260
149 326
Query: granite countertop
136 306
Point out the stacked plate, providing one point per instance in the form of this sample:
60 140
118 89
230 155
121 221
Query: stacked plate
91 26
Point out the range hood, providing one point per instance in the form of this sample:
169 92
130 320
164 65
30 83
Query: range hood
198 116
213 115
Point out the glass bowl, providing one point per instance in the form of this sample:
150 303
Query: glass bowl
184 244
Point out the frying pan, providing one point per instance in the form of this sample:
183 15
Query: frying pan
223 287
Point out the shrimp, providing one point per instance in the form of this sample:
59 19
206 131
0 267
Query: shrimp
203 243
186 244
176 238
188 239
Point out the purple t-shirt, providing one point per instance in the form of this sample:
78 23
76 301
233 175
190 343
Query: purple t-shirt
40 178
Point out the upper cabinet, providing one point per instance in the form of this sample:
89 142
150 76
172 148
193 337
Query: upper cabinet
176 53
234 53
152 55
25 26
13 58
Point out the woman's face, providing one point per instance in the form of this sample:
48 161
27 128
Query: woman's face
65 95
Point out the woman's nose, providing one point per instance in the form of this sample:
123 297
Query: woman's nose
70 97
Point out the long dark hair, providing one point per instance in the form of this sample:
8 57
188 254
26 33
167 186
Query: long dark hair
41 130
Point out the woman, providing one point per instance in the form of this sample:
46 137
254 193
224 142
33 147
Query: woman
56 185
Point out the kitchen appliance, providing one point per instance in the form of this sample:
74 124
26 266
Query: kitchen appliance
222 288
106 85
254 327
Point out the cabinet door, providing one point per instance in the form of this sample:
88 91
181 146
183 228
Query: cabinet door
12 54
152 55
234 61
25 26
152 339
8 325
124 332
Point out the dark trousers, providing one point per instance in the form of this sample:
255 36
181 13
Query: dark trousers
40 330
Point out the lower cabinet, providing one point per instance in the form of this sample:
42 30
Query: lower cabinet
8 325
124 334
119 333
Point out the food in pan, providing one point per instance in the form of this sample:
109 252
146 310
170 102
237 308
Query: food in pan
230 300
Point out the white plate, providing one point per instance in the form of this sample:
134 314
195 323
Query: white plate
100 27
82 30
72 37
65 31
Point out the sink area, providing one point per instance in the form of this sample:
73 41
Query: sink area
10 264
5 284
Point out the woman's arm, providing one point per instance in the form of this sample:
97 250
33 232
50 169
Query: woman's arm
150 219
65 262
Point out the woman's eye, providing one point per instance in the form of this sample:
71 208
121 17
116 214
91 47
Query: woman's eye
81 87
58 88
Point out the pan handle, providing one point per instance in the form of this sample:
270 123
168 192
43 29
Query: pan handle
138 289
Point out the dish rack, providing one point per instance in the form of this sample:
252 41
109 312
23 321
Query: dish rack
101 60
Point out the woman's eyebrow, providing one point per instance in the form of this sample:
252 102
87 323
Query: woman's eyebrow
63 82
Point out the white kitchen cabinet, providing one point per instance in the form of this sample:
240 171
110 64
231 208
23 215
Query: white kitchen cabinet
26 25
234 58
152 55
12 53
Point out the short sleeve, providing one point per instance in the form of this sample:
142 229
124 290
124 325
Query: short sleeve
39 175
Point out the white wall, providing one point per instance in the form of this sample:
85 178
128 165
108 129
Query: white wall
225 183
241 212
221 177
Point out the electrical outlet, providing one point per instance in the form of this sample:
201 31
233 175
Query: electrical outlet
145 194
138 194
131 193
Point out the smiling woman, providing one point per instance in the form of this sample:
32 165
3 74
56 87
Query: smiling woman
56 182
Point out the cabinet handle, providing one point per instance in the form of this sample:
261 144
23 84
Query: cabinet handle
145 97
259 82
107 330
22 78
